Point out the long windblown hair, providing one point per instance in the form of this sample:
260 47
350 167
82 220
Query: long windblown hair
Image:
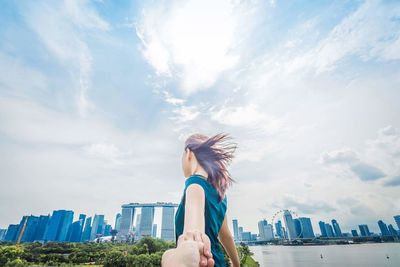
214 154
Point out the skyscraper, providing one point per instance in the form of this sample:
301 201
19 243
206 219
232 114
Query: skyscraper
146 221
290 228
58 225
41 228
154 230
3 233
322 228
354 233
364 230
397 220
265 230
235 229
384 229
117 225
279 230
329 230
11 234
87 230
240 233
392 231
306 227
97 226
30 229
168 223
336 228
127 216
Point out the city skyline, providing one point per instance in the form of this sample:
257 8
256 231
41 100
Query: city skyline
62 227
97 98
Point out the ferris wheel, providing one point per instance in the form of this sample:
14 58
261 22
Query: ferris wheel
279 216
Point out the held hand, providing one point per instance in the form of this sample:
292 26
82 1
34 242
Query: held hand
204 246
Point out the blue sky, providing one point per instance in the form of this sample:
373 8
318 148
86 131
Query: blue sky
97 97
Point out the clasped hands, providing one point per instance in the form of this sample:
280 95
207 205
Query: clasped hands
193 250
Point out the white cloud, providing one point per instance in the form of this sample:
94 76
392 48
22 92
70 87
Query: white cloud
189 41
62 31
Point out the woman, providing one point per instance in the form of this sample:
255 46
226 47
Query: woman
204 202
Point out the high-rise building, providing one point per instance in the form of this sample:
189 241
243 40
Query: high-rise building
336 228
235 229
97 226
279 229
168 223
297 226
117 225
30 229
87 230
397 220
306 227
154 230
107 230
322 229
265 230
57 228
290 227
41 228
126 226
2 234
392 231
329 230
146 221
246 236
354 232
12 232
364 230
384 229
240 233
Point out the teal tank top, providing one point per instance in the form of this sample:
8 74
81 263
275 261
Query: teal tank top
214 214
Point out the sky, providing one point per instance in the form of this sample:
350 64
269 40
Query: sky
97 98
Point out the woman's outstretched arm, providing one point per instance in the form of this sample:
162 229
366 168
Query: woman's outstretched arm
194 219
226 239
194 209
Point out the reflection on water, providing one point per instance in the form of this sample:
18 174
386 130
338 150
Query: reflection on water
374 255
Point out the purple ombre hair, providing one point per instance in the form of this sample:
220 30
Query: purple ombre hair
214 154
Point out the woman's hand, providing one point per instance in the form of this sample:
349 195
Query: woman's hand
193 250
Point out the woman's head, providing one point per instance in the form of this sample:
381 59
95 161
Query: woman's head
213 154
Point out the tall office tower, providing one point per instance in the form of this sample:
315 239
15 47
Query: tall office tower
137 226
107 230
235 229
279 230
21 226
397 220
74 232
354 233
364 230
265 230
41 228
297 227
240 233
3 233
168 223
146 221
30 229
127 215
384 229
58 225
329 230
287 218
87 230
12 232
392 231
322 228
154 230
336 228
306 227
117 225
97 226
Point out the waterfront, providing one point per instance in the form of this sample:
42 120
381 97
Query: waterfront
369 254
